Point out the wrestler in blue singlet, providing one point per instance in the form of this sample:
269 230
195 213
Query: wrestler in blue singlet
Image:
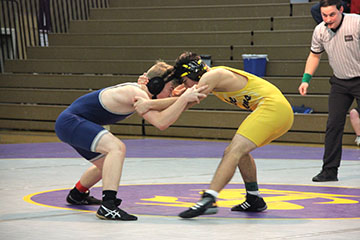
80 125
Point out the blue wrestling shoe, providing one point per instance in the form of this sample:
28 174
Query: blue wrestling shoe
206 206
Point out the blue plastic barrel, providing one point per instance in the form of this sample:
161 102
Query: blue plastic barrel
255 64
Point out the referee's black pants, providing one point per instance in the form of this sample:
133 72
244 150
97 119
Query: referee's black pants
342 94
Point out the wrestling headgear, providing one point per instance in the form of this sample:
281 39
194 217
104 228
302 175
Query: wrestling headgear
157 84
193 70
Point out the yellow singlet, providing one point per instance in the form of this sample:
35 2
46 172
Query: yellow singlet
272 115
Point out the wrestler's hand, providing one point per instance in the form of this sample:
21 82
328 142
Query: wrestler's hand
202 91
303 88
143 79
193 94
178 91
141 105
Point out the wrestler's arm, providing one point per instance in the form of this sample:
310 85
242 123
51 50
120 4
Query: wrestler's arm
209 79
163 119
145 105
157 104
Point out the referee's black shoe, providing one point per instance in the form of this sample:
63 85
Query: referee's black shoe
326 175
206 206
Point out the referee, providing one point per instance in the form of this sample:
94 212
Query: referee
338 35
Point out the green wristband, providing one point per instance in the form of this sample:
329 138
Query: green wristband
306 78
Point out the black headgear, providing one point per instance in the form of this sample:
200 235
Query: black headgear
193 70
157 84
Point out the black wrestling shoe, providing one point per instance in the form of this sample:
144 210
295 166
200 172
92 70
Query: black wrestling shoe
77 198
252 203
326 175
110 210
206 206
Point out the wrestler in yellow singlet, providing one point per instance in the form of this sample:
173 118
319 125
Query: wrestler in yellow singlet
272 115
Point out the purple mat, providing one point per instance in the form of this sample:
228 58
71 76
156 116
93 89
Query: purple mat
284 201
163 148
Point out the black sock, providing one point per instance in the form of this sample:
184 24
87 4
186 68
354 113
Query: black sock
108 195
252 188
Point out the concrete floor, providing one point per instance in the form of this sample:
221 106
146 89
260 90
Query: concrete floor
162 177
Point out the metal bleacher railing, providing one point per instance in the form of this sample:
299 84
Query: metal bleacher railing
25 23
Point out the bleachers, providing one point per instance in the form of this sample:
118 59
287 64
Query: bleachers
220 10
119 43
192 24
186 38
274 68
142 3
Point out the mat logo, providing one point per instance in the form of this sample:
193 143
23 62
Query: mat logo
284 201
275 199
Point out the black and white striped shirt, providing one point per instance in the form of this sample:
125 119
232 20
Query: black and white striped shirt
342 46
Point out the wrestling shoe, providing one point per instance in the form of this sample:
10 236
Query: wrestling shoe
110 210
326 175
357 141
252 203
206 206
77 198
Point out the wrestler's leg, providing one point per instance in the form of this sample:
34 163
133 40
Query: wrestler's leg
236 154
92 175
247 168
112 164
80 194
238 149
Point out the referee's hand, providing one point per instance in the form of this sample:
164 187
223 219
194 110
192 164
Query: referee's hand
303 88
